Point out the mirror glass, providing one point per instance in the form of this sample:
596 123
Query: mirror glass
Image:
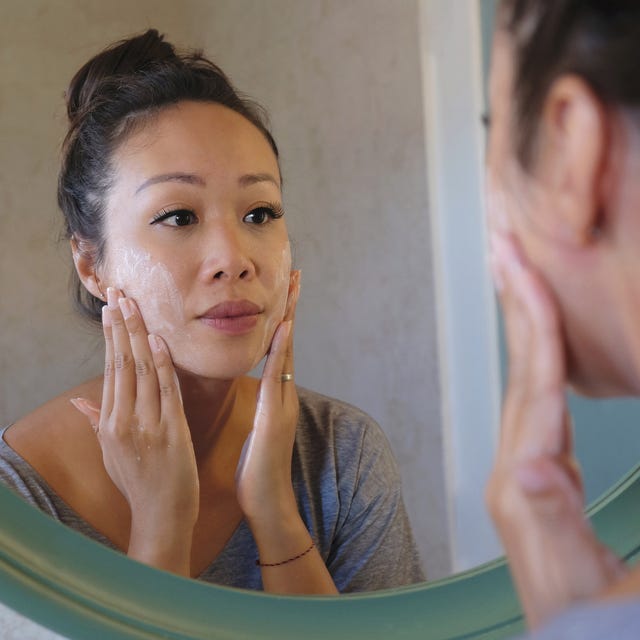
354 166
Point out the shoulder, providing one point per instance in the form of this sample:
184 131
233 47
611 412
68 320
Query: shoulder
55 440
331 415
355 440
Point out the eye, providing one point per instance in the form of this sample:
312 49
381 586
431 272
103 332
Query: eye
486 119
264 214
176 218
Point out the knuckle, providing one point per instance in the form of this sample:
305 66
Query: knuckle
167 389
122 361
143 368
108 369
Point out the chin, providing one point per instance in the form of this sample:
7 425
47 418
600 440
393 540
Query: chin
218 361
596 384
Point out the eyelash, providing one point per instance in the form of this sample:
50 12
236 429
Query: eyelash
164 214
273 210
486 119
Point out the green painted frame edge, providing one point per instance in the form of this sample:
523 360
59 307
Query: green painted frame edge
80 589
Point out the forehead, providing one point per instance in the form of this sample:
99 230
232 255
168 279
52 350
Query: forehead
197 137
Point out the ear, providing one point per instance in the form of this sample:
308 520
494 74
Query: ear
84 261
574 137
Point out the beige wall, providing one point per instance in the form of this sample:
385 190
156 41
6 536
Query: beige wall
342 82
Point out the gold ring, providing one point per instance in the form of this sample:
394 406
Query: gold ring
286 377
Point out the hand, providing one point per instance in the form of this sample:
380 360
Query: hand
145 440
535 494
263 476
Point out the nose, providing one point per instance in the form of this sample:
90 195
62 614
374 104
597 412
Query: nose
227 254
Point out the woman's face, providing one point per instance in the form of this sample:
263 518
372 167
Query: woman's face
585 277
194 235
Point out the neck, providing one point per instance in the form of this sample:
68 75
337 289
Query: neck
208 406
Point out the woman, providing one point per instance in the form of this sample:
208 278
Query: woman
564 197
171 191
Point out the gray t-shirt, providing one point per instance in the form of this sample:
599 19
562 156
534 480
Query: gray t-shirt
347 487
615 620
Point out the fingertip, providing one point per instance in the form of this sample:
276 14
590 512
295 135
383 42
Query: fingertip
87 409
156 343
106 317
285 329
77 403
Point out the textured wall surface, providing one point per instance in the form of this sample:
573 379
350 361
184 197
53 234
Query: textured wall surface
342 83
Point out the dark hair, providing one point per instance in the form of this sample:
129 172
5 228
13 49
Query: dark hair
112 95
598 40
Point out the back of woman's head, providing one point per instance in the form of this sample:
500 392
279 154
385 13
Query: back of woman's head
118 91
598 40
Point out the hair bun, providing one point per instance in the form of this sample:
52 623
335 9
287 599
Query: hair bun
122 58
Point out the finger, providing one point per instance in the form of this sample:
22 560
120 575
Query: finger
535 393
109 372
538 308
147 403
124 373
294 294
88 409
171 408
288 365
274 366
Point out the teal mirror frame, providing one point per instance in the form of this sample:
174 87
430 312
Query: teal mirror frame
80 589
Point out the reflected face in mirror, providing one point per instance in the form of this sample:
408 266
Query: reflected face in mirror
195 198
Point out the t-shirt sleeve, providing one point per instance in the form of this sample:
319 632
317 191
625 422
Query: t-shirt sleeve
373 546
16 475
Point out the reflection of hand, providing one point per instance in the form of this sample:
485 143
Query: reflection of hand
263 477
145 440
535 491
290 563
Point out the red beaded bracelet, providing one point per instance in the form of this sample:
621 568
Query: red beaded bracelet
277 564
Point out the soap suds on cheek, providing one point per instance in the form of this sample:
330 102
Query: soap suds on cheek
281 287
154 290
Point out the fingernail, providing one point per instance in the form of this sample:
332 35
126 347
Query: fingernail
106 316
78 403
112 298
126 306
155 343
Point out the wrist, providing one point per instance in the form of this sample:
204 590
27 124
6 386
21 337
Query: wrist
163 545
280 509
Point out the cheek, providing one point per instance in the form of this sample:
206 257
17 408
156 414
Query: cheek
151 285
280 288
282 280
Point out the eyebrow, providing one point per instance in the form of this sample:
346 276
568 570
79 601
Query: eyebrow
254 178
187 178
190 178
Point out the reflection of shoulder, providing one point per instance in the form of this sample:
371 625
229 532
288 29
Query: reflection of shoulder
332 417
55 437
349 432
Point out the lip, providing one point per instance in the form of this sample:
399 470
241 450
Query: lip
233 317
